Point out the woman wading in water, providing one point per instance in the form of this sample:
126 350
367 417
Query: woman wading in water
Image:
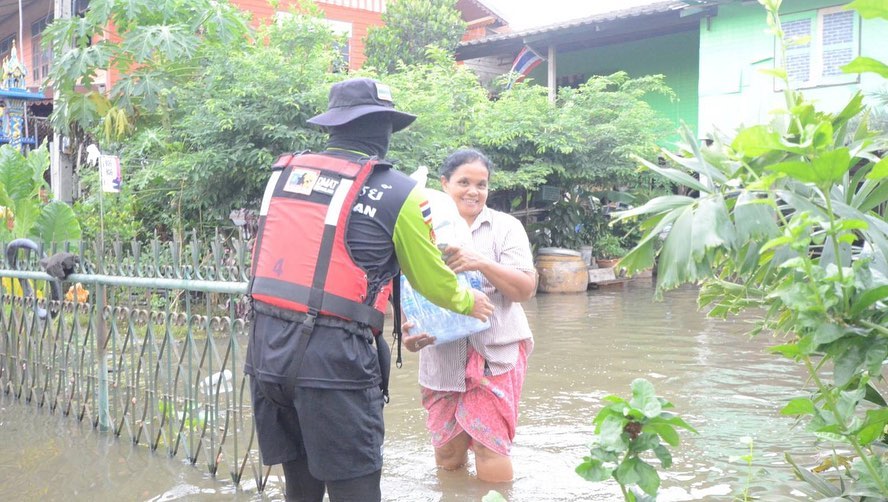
471 387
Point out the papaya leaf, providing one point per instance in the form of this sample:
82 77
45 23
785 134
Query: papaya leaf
56 223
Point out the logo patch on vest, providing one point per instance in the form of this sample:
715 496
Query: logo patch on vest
301 181
326 185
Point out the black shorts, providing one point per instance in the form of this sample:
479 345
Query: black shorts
340 432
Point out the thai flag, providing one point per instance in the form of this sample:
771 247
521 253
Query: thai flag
426 209
526 61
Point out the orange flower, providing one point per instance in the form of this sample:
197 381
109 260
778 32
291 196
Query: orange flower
77 291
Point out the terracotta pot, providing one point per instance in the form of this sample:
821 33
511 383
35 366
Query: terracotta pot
561 271
607 262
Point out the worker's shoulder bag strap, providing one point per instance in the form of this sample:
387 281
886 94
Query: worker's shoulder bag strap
396 311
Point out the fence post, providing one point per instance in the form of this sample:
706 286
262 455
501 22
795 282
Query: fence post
102 342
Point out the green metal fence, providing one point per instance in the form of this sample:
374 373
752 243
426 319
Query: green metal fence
161 366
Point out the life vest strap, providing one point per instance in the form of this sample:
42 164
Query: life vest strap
330 304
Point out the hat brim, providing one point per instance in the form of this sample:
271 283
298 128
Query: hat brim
344 115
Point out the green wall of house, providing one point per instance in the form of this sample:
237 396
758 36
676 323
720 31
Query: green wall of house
735 45
674 55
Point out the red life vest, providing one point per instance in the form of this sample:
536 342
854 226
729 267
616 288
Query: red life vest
300 259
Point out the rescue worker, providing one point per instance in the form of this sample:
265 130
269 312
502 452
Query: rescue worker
335 228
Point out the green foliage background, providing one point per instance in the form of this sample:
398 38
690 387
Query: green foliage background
409 28
203 112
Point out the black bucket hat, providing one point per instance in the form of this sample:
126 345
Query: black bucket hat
357 97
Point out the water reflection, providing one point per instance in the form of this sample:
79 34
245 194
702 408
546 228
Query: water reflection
588 346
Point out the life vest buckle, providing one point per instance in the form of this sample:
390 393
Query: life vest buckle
309 323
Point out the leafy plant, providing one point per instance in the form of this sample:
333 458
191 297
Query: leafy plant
747 459
156 44
409 28
24 200
493 496
197 120
791 222
588 138
445 97
624 430
569 222
189 166
608 246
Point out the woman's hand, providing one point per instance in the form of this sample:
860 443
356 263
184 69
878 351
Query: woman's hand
414 343
464 259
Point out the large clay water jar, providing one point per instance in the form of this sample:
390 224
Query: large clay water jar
561 271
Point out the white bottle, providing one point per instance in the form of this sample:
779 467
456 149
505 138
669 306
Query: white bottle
444 325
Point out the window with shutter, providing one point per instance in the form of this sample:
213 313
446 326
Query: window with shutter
41 57
818 44
797 36
838 41
343 32
6 47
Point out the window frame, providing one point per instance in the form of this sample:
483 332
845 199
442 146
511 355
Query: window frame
41 59
816 49
342 30
6 46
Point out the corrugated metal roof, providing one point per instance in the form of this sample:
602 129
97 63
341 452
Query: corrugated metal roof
638 11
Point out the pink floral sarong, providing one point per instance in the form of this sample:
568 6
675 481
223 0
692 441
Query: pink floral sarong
487 410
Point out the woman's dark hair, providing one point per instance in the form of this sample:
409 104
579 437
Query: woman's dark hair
464 156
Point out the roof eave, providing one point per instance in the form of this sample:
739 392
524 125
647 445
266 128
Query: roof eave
589 29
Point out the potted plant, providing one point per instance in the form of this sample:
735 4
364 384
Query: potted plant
608 250
569 223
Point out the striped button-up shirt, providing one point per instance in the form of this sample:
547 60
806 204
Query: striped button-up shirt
501 238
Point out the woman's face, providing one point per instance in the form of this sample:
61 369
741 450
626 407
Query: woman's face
468 188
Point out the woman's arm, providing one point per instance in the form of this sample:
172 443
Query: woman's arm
516 285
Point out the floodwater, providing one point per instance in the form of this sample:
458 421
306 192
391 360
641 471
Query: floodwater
587 346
